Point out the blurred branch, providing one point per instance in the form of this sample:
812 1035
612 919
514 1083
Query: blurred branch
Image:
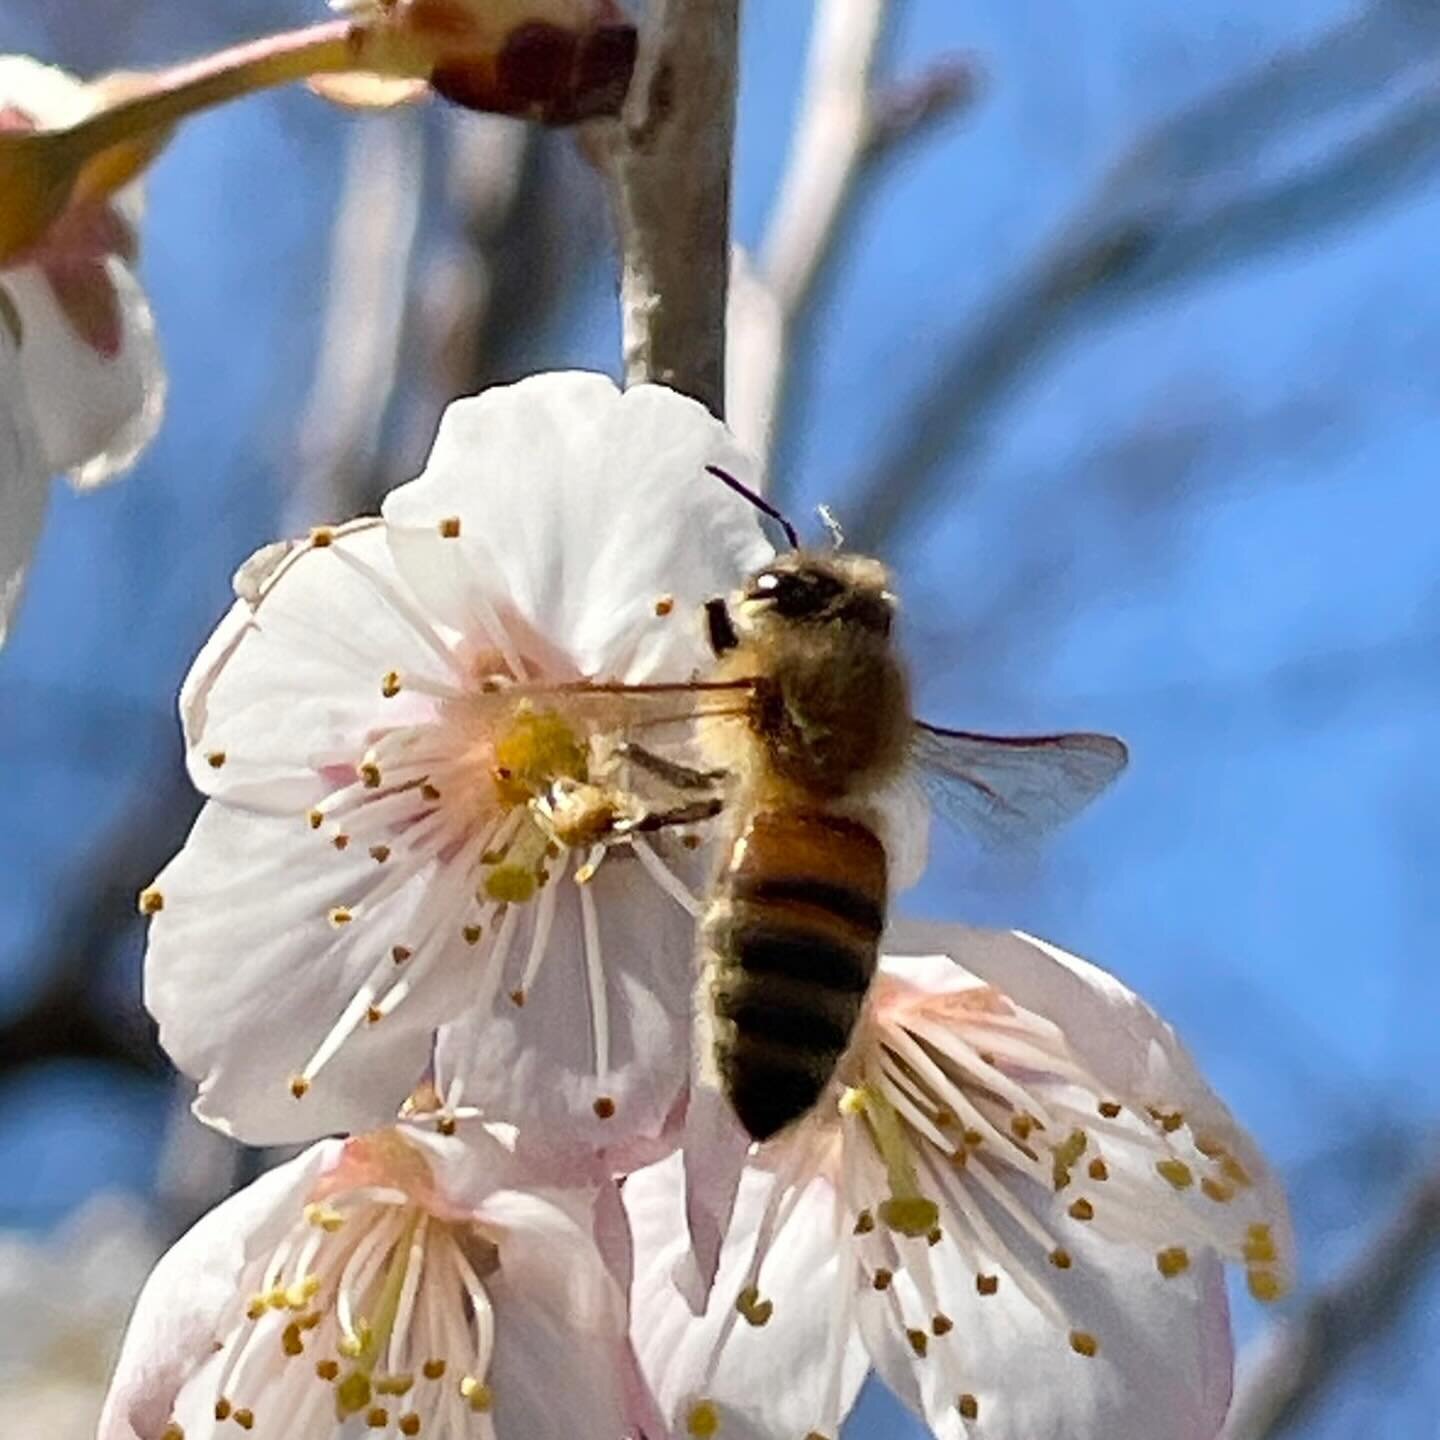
369 269
1168 214
671 161
847 127
1307 1352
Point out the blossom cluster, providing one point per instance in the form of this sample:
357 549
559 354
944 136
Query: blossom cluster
425 928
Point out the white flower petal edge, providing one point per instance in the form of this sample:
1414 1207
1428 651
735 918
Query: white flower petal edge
24 484
1025 1229
370 717
396 1283
98 397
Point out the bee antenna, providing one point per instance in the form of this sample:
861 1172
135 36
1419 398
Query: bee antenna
832 526
758 501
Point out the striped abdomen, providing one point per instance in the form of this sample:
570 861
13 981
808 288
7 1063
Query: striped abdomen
793 933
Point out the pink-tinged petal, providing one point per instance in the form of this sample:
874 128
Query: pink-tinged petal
715 1147
96 409
1009 1369
795 1373
24 485
584 511
291 683
1130 1052
248 972
173 1326
584 1043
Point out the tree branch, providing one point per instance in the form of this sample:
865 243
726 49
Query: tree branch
1307 1352
1170 212
671 171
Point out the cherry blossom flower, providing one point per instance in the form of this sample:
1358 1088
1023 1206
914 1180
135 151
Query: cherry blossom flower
400 1283
400 817
81 383
1015 1206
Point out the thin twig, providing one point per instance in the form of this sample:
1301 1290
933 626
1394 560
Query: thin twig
671 163
1170 212
1307 1352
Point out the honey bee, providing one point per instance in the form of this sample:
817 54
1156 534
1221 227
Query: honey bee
803 725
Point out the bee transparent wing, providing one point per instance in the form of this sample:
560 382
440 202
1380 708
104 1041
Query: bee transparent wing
1011 789
624 709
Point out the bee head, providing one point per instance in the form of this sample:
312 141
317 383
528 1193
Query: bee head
805 588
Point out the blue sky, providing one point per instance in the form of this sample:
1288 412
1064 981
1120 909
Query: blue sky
1207 521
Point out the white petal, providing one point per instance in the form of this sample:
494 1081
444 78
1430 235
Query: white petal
580 508
247 974
772 1382
1161 1371
24 485
536 1065
292 683
1123 1044
560 1337
171 1330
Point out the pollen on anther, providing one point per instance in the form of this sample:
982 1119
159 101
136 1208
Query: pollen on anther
1264 1285
400 953
379 853
430 792
327 1369
755 1311
1082 1209
410 1424
477 1393
472 934
1175 1172
450 527
222 1409
1172 1261
340 915
987 1284
882 1278
1109 1109
664 604
151 902
941 1325
703 1421
1217 1191
299 1086
245 1419
517 997
1098 1170
172 1432
1060 1259
864 1223
369 774
374 1015
433 1369
1082 1342
969 1407
919 1342
390 684
1259 1246
604 1107
322 537
215 759
378 1417
445 1125
341 841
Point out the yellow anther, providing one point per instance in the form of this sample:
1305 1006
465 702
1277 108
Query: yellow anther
1081 1209
1216 1190
1175 1172
151 902
1060 1258
911 1215
935 1236
1109 1109
969 1407
245 1419
539 748
433 1369
919 1342
864 1223
369 773
881 1278
510 884
373 1015
1173 1261
291 1342
1259 1246
1168 1120
353 1394
341 915
585 873
215 759
394 1384
410 1424
1265 1285
941 1325
703 1421
987 1284
310 1321
222 1409
172 1432
256 1308
1022 1125
604 1108
322 537
390 684
1069 1150
377 1417
314 818
472 934
450 528
755 1310
1082 1342
379 853
275 1298
327 1369
401 953
322 1217
664 604
430 792
1235 1172
341 841
299 1086
477 1394
1098 1170
973 1138
517 997
445 1125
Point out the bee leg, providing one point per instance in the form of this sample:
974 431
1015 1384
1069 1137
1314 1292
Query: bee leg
678 777
691 814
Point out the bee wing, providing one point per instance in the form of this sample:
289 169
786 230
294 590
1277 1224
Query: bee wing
628 708
1009 789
